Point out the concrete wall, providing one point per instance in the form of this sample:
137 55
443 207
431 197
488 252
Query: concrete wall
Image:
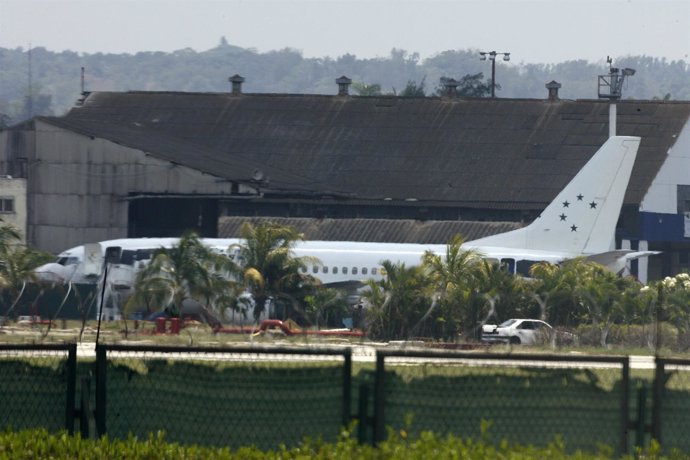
78 185
14 189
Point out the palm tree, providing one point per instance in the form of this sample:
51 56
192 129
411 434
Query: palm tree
270 269
17 264
188 270
399 304
454 277
499 294
556 290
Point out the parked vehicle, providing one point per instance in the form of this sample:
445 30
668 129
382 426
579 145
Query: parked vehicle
518 331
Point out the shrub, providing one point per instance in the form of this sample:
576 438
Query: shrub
31 444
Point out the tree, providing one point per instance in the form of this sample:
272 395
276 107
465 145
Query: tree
17 264
5 121
471 85
602 293
326 307
270 270
453 278
412 89
188 270
399 304
555 290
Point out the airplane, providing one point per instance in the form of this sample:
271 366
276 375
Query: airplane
579 222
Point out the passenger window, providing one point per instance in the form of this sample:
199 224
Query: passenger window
373 271
325 269
364 271
354 270
315 269
335 270
344 270
523 267
304 269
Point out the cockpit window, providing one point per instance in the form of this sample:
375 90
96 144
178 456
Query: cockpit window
67 261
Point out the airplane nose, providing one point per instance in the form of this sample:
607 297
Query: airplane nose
52 272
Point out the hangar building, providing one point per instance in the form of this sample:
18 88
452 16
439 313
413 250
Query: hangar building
376 168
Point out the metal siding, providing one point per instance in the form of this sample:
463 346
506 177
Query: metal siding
662 227
80 185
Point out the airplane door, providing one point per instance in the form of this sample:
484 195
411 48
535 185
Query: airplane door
508 264
93 259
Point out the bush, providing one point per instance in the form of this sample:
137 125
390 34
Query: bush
33 444
630 336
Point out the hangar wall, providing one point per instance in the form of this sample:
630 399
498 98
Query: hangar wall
79 187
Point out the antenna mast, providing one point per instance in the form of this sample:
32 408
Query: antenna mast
611 88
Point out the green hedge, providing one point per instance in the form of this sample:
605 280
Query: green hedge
32 444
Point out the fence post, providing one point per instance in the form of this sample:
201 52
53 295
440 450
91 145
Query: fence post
363 414
659 383
379 398
101 364
71 369
85 408
641 416
625 406
347 387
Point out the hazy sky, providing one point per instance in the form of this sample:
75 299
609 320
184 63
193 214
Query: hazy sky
532 30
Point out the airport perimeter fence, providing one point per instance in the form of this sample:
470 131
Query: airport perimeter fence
671 404
37 386
526 398
223 397
272 396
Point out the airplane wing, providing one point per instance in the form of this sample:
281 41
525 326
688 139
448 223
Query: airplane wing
616 260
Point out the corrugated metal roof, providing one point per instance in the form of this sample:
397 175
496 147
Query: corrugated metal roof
373 230
462 152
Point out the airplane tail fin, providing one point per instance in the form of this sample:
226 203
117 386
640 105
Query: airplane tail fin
582 218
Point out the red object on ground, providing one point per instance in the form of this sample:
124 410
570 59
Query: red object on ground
160 325
174 325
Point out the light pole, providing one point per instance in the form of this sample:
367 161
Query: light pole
492 57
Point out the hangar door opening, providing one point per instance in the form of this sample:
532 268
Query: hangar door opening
161 217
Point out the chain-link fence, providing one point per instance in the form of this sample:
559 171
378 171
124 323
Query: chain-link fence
520 398
37 386
237 396
671 404
228 397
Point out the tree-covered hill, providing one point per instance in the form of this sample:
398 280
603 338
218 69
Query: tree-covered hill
55 76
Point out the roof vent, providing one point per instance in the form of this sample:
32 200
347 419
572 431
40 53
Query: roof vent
236 81
343 85
553 86
450 87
